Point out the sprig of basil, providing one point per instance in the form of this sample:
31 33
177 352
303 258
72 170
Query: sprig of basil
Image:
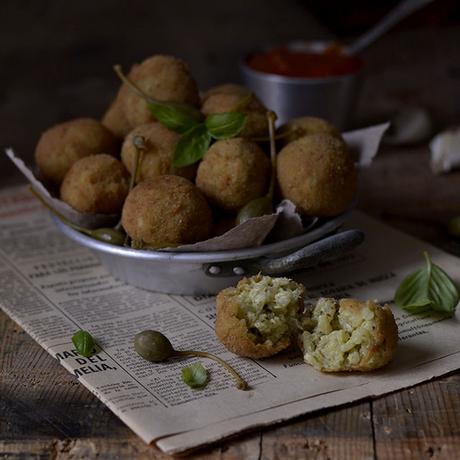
195 376
225 125
195 142
84 343
191 147
427 289
177 117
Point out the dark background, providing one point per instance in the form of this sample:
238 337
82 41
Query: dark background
56 56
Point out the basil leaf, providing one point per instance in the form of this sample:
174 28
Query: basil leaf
443 291
427 289
225 124
84 343
192 146
195 376
175 116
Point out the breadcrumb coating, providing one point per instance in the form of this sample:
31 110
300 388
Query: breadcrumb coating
156 159
164 78
349 335
96 184
257 318
166 211
233 172
305 126
317 174
63 144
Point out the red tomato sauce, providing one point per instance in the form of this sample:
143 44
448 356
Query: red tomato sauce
282 61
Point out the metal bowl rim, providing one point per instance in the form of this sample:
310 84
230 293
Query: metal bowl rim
208 256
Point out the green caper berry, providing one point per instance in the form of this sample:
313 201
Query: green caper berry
255 208
109 235
153 346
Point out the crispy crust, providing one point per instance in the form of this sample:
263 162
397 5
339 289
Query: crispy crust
233 332
164 78
225 101
317 174
96 184
114 118
385 337
305 126
233 172
226 88
167 210
63 144
160 143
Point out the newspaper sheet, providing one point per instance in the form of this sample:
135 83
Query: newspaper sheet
53 287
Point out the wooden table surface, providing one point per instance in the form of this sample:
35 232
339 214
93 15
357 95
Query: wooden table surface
45 413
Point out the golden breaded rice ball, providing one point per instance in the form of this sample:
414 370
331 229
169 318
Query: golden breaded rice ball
255 319
166 211
304 126
96 184
62 145
164 78
233 172
256 123
349 335
115 120
317 174
156 160
225 88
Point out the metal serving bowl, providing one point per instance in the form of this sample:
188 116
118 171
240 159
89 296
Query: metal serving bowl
332 98
200 273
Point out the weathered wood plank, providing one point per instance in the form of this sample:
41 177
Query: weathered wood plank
421 422
345 433
46 414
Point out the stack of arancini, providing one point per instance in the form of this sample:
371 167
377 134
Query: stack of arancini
91 161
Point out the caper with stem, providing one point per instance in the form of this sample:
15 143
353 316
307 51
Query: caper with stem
264 204
156 347
139 147
108 235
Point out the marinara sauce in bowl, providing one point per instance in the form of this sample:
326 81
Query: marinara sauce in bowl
305 78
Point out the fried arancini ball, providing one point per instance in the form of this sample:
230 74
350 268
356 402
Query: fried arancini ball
164 78
256 122
62 145
233 172
96 184
166 211
349 335
226 88
160 144
304 126
256 319
115 120
317 174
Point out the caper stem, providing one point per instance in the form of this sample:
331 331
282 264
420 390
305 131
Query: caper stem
271 117
133 86
241 384
277 136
